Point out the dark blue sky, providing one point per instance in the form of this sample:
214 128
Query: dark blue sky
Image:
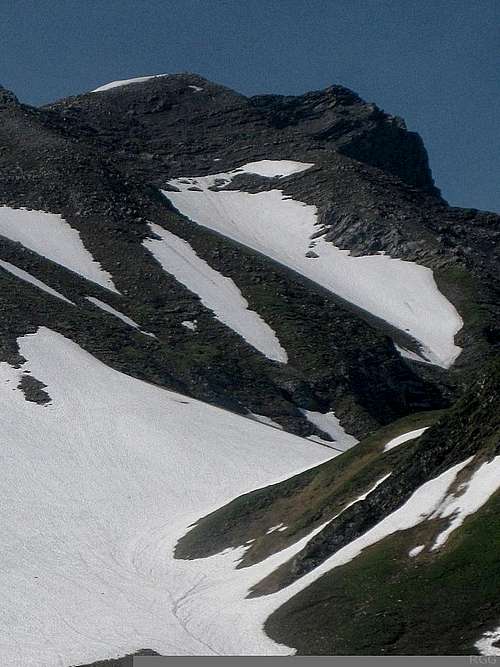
434 62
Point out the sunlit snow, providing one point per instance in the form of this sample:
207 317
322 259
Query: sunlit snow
488 644
416 550
96 489
328 423
192 325
402 293
404 437
217 292
271 168
49 235
126 82
409 354
468 498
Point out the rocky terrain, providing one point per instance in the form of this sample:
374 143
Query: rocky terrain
156 260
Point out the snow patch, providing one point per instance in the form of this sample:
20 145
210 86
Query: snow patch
470 496
328 423
404 437
192 325
486 645
216 291
408 354
421 504
416 550
402 293
280 527
49 235
27 277
127 82
271 168
197 89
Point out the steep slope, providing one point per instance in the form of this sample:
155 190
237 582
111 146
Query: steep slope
370 183
402 294
207 299
338 357
97 484
411 559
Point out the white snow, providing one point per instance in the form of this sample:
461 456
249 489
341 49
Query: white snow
126 82
96 489
190 324
280 527
217 622
469 497
485 645
404 437
408 354
416 550
197 89
49 235
216 291
116 313
27 277
399 292
329 424
272 168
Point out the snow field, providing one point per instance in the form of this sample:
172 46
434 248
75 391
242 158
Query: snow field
402 293
50 236
97 487
217 292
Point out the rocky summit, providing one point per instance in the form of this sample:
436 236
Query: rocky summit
249 364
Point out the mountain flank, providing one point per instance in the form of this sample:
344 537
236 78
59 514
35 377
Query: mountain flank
249 370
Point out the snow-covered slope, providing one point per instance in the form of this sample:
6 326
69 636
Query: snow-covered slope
49 235
96 488
399 292
216 291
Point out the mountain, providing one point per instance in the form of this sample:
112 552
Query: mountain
249 372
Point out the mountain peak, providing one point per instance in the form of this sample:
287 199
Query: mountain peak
7 97
185 77
204 293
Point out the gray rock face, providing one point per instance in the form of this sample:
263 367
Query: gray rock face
99 159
